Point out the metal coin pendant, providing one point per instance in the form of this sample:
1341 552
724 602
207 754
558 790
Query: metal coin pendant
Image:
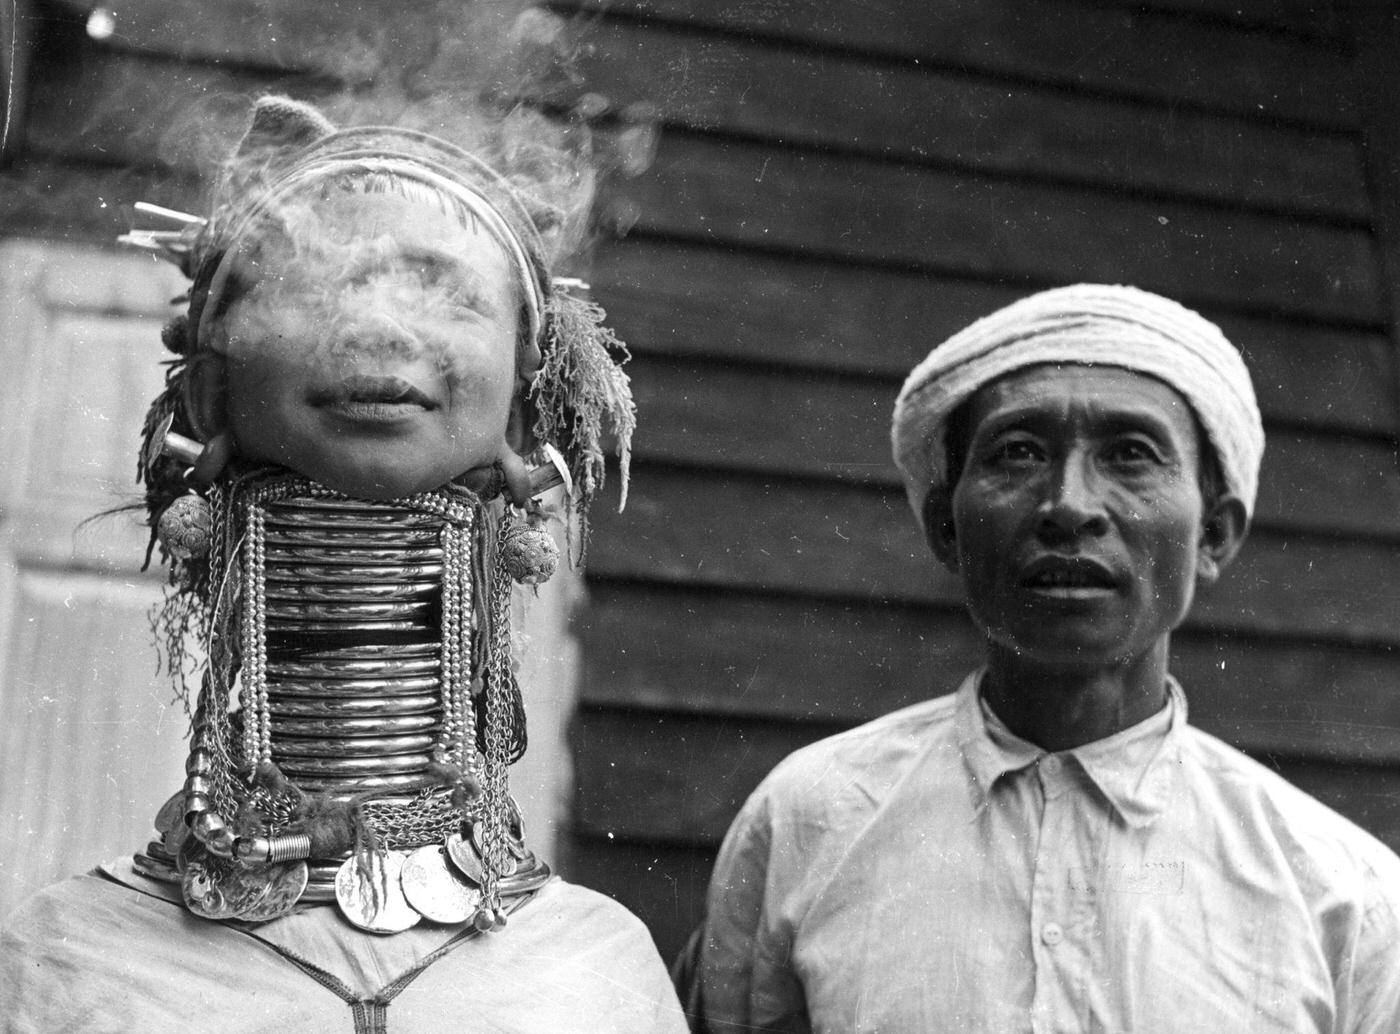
464 856
434 888
510 860
370 895
219 888
286 882
171 813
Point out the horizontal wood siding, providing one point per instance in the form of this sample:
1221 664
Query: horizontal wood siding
837 191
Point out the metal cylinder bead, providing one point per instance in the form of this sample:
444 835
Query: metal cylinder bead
221 842
252 850
198 784
199 763
196 804
206 826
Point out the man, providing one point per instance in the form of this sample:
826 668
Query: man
1052 847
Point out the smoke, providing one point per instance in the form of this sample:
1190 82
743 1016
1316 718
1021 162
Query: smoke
498 78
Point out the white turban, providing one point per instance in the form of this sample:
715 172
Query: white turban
1093 324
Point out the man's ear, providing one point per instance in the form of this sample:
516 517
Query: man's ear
206 393
1223 528
939 527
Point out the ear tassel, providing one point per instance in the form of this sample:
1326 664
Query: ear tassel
581 394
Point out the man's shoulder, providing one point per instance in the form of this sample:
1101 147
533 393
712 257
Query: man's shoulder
1315 835
864 762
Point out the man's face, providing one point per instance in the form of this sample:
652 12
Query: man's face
375 350
1078 519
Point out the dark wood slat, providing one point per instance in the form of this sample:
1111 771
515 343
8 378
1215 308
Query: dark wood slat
692 300
354 39
1118 50
61 201
653 648
779 535
663 884
1304 17
697 773
120 109
683 778
824 425
749 195
720 83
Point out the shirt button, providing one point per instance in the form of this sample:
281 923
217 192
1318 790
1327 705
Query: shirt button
1051 765
1052 934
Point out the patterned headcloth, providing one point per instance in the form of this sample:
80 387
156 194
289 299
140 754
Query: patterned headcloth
1092 324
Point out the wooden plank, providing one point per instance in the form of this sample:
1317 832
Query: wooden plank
123 109
1305 18
82 203
663 884
709 82
354 39
846 662
678 299
1376 36
773 534
739 194
823 425
1119 50
699 771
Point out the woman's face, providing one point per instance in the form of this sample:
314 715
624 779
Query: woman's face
374 350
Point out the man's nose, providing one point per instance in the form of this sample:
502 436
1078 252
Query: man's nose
1073 504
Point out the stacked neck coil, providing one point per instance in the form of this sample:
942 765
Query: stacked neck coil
352 613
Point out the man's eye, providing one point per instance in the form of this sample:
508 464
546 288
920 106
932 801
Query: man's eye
1015 451
1132 451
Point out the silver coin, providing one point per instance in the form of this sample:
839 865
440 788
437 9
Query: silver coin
218 888
510 858
434 888
172 813
369 894
462 854
286 883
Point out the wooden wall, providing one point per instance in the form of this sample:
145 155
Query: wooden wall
840 187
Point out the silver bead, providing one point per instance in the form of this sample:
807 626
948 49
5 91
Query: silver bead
183 529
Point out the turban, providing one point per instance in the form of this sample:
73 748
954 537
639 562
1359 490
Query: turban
1092 324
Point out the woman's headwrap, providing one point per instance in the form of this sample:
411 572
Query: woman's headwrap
1094 325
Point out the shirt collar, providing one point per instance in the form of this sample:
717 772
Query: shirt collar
1134 769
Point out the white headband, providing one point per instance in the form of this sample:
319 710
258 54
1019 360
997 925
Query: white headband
478 204
1098 324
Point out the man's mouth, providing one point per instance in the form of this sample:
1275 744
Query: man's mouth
1069 575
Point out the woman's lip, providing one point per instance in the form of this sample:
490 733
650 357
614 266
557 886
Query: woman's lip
373 412
370 394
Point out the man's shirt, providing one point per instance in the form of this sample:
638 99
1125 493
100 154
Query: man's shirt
932 872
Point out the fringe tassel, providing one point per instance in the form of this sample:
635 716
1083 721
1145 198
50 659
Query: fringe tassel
580 394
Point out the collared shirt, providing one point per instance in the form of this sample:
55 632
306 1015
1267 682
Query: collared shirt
932 872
